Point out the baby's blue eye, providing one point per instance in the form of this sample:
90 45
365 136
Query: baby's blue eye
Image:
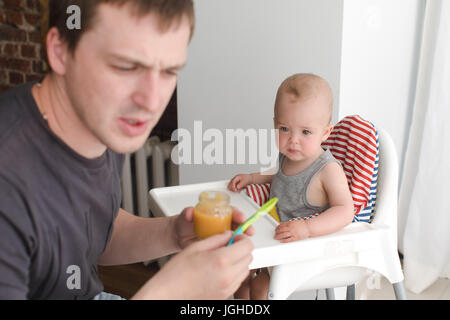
284 129
306 132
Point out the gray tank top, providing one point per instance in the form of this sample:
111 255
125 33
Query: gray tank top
291 190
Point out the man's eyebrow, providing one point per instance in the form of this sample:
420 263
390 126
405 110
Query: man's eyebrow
144 65
176 66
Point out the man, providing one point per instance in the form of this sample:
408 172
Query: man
61 142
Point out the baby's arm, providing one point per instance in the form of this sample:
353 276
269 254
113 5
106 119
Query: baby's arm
331 220
340 200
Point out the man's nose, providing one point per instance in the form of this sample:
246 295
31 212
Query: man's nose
146 96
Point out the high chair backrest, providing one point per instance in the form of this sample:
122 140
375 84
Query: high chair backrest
387 186
354 142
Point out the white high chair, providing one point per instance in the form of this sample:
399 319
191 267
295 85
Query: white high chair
342 259
330 261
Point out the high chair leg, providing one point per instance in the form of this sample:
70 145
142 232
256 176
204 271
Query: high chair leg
350 292
400 291
330 294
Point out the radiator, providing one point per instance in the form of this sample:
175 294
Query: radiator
154 156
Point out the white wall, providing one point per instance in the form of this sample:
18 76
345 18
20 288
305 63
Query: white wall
240 53
380 51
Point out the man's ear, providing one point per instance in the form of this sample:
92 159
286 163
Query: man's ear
327 132
57 51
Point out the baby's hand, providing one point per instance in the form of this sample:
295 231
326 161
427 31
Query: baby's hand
291 231
240 181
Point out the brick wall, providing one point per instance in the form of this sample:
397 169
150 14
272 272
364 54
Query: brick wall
21 51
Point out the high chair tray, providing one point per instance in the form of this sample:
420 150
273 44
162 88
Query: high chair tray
170 201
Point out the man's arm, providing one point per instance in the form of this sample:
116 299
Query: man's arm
136 239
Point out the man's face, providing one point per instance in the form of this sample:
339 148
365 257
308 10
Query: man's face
122 75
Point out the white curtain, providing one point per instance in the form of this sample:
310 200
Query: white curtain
424 204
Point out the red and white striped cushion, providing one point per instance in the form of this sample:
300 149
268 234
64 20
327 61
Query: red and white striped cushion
354 142
259 192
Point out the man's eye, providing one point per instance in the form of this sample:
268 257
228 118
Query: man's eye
171 73
126 69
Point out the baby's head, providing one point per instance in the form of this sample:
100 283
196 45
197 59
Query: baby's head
303 109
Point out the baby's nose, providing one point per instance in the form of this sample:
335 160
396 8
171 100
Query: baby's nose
294 137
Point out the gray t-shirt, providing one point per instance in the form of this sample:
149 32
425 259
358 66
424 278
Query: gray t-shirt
292 190
57 208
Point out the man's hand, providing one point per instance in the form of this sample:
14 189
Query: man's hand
291 231
184 226
207 269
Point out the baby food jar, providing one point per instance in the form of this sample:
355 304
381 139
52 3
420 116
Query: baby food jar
212 214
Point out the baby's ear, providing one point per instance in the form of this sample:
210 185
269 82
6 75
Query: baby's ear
327 132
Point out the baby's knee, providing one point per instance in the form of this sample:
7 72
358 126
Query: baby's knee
260 286
262 279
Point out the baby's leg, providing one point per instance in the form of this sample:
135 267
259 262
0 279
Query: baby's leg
243 292
259 287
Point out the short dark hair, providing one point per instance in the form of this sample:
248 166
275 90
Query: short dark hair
169 12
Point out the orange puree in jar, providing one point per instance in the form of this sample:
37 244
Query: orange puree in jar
212 214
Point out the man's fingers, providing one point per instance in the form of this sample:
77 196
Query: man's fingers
241 274
239 218
239 250
213 242
232 262
188 213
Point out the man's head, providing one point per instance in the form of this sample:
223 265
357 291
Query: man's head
303 110
120 69
170 12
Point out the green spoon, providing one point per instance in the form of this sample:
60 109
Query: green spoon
266 208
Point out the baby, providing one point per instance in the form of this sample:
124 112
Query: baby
314 198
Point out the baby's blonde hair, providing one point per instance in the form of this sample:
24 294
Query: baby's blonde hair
305 86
